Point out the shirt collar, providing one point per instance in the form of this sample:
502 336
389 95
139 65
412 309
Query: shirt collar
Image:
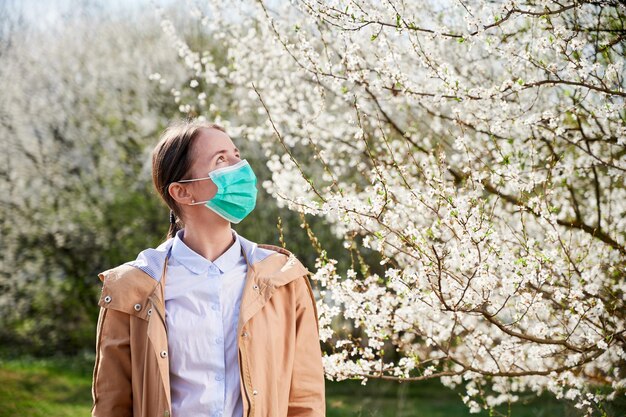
197 263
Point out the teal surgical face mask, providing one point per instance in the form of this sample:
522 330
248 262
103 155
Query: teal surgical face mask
236 191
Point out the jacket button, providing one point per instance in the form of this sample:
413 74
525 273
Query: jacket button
137 307
255 392
164 354
149 311
107 299
256 287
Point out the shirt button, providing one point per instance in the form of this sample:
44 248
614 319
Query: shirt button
219 377
215 307
218 340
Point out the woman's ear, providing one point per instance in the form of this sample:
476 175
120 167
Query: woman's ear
180 193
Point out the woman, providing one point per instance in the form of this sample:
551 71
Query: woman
208 323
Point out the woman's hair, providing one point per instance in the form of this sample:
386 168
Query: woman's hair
171 161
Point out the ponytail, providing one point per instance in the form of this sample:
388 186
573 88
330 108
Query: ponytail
174 226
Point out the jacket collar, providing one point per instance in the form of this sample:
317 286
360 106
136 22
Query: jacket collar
280 267
152 260
126 285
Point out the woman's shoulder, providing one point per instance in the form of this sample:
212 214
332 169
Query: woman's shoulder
261 251
256 252
151 260
125 287
148 262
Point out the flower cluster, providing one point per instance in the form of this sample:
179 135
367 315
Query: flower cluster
479 150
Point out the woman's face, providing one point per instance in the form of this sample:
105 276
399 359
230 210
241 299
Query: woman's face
211 150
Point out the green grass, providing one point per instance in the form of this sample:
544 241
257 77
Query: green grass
62 387
423 399
45 387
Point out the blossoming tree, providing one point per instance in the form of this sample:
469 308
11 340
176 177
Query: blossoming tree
78 115
479 148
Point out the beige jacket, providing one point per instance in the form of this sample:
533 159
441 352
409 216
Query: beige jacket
279 350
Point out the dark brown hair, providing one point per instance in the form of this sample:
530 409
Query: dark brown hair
171 161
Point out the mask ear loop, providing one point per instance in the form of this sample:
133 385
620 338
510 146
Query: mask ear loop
195 179
193 202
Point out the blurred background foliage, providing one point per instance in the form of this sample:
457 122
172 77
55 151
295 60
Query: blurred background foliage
79 117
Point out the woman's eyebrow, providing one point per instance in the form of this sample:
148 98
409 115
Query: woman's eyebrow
222 151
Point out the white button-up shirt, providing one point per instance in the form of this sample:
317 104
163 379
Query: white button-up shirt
202 301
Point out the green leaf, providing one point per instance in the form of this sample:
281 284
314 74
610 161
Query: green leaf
521 261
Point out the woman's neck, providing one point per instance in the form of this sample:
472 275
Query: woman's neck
208 240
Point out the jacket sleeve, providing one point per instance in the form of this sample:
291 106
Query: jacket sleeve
307 393
111 385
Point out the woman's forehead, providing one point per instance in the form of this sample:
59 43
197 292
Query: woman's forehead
210 141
